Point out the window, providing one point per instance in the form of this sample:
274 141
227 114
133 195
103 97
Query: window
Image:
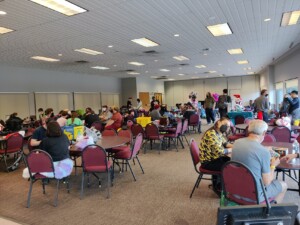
291 85
279 94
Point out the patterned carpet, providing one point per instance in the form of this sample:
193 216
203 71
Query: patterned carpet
160 196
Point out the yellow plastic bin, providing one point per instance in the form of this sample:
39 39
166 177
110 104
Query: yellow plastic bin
143 121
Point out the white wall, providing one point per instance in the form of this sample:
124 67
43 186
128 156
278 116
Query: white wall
178 91
150 85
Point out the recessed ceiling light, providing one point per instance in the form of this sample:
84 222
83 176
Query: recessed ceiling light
115 65
176 35
4 30
200 66
171 79
110 46
59 54
155 60
146 71
42 58
235 51
136 63
250 72
290 18
154 76
61 6
145 42
180 58
2 13
100 68
267 19
220 29
133 73
204 53
88 51
164 70
212 71
180 74
242 62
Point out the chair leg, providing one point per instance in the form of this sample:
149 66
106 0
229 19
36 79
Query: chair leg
186 139
127 162
179 138
6 166
82 184
108 181
29 194
56 195
196 184
140 164
68 184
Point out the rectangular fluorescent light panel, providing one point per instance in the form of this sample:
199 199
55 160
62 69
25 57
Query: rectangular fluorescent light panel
220 29
133 73
243 62
136 63
4 30
250 72
235 51
164 70
200 66
61 6
88 51
212 71
100 68
42 58
180 58
145 42
290 18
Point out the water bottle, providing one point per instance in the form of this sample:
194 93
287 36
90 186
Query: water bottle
295 146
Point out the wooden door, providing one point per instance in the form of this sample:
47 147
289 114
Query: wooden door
145 98
158 96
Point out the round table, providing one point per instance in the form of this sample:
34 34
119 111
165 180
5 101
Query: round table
287 166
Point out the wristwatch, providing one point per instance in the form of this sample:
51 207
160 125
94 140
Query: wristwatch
272 167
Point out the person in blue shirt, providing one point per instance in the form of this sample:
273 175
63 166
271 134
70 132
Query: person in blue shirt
294 109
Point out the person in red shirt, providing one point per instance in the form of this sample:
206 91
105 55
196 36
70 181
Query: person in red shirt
115 121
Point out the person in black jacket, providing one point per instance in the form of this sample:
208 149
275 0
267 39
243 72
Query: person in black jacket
14 123
90 117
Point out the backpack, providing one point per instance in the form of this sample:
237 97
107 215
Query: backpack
222 102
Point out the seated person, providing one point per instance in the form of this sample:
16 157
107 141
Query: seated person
154 114
62 120
258 159
116 120
189 111
90 117
213 149
57 145
39 134
74 120
14 123
105 114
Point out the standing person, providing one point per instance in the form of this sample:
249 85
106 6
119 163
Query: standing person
257 158
209 105
139 104
115 121
214 148
294 109
261 105
194 102
223 102
284 108
153 102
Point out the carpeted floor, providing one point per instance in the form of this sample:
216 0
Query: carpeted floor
160 196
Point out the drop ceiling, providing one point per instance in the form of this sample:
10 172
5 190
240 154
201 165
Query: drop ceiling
40 31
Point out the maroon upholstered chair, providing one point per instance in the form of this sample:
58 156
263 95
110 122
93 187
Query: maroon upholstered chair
239 119
269 138
195 123
152 134
236 136
122 133
241 191
38 162
13 145
128 154
97 125
282 134
109 132
175 137
194 149
136 129
94 161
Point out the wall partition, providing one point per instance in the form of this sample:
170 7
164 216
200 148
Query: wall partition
110 99
83 100
14 102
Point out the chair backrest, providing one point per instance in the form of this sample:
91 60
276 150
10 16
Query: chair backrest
151 130
136 129
93 155
282 134
109 132
269 138
179 127
126 133
97 125
194 119
185 126
39 161
163 121
239 184
239 119
14 143
137 145
194 149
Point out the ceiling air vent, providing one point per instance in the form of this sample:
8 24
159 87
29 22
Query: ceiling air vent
162 78
184 64
81 61
151 52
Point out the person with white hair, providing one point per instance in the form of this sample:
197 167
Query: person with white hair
257 158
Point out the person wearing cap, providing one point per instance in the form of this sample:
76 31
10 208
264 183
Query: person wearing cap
294 105
155 115
105 114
